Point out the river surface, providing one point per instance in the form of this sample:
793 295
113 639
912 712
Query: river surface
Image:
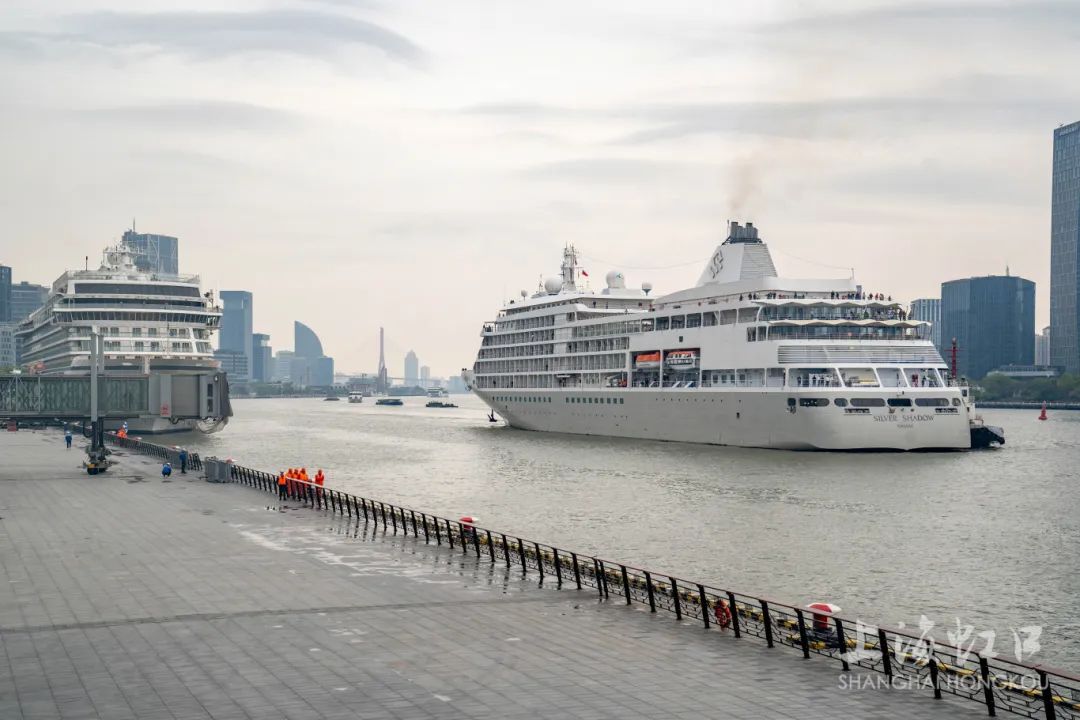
989 539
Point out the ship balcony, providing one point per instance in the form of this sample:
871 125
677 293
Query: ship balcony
890 330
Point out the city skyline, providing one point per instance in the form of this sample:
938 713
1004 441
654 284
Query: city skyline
365 143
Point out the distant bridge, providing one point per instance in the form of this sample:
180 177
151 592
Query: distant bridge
202 396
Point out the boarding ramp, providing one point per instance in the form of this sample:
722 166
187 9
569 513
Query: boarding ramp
198 396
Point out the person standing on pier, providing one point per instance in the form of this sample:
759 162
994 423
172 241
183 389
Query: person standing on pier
281 488
67 438
183 460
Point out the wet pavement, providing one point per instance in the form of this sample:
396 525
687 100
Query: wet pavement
127 596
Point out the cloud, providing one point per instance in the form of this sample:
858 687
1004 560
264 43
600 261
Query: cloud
606 170
220 34
949 183
1045 14
196 115
828 117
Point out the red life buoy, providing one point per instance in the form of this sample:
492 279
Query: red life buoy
723 614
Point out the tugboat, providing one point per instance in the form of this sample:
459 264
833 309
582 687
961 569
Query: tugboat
389 401
332 398
440 404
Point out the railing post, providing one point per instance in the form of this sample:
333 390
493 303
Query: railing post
449 535
886 656
988 691
348 505
558 567
521 554
382 509
491 546
625 584
393 518
598 576
577 570
1047 696
438 532
464 539
649 588
841 640
415 530
767 621
804 641
427 535
539 560
703 603
506 549
476 540
675 597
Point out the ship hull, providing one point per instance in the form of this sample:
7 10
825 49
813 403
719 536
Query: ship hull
739 418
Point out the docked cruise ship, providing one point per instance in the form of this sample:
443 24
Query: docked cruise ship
744 358
150 322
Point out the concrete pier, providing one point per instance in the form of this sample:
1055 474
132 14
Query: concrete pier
127 596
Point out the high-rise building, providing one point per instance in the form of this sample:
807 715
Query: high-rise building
412 368
425 376
236 321
282 364
262 358
26 298
929 310
5 294
154 253
309 365
7 345
993 321
1064 253
1042 347
234 364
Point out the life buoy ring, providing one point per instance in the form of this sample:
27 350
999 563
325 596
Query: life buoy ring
723 614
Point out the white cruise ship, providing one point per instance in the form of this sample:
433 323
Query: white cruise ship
744 358
150 322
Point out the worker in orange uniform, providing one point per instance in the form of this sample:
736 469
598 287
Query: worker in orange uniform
305 487
282 490
319 478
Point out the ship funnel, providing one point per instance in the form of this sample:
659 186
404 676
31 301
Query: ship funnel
742 256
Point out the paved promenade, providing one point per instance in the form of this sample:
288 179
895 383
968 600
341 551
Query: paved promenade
125 596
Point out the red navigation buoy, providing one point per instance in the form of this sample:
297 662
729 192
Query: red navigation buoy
821 622
1042 414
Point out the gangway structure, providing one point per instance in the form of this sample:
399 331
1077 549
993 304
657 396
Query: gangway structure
99 396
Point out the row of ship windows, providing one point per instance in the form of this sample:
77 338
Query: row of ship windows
575 400
136 332
872 402
515 338
525 399
615 361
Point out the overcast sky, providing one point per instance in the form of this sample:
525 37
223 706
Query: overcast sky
357 163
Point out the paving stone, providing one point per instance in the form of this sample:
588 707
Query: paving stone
125 597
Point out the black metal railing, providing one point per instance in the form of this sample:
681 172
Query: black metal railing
164 453
902 658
